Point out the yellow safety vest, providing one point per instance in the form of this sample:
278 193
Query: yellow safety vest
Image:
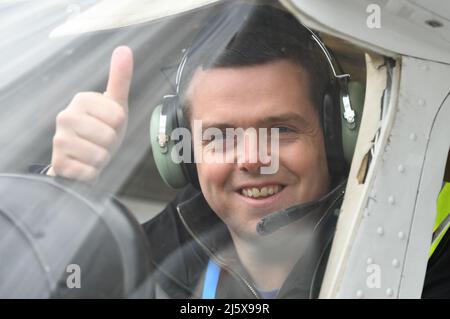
442 222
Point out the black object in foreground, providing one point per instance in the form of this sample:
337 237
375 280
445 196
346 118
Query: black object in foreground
60 239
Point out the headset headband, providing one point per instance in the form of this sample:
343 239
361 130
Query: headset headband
342 78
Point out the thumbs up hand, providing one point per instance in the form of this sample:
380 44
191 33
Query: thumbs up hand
90 130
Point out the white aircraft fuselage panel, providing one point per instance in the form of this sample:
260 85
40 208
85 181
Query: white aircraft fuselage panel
403 27
383 235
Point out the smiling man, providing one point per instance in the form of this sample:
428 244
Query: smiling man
250 67
233 231
277 94
274 94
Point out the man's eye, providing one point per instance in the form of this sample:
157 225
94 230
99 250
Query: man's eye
284 129
217 137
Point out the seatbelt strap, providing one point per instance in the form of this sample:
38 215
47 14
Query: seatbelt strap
211 280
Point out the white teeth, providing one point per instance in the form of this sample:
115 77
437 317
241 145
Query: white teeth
261 192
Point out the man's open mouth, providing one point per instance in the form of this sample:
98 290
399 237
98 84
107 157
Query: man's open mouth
261 192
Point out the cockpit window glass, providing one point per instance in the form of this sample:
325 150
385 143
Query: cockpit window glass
223 130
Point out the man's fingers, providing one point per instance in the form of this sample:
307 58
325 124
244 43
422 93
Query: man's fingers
95 131
109 113
120 75
81 150
86 127
89 131
74 169
92 126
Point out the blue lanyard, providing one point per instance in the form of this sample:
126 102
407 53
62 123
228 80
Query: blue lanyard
211 280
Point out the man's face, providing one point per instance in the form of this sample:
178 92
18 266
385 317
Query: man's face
274 95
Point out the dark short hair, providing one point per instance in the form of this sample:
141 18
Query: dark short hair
248 35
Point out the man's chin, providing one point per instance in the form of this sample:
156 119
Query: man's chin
247 231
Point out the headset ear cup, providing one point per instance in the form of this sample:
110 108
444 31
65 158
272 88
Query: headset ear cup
171 172
189 168
356 92
332 135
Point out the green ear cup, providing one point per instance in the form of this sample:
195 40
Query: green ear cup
356 93
162 146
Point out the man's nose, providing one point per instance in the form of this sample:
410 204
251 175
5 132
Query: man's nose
253 168
250 160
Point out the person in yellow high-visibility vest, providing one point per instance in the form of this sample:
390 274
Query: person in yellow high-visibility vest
442 222
438 269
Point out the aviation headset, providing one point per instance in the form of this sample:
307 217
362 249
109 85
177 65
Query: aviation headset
340 117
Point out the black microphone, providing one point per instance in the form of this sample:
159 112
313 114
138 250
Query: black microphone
281 218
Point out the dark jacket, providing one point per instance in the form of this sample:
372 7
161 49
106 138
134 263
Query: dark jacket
188 233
